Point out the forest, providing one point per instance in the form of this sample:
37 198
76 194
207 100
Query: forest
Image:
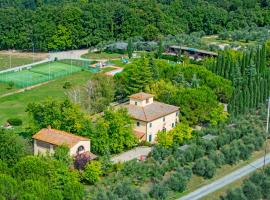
64 24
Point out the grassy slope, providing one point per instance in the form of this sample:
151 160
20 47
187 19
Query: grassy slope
103 55
16 61
14 106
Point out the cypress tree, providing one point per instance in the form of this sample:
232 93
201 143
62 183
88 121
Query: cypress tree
130 48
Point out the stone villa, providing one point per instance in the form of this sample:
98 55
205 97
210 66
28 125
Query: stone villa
151 116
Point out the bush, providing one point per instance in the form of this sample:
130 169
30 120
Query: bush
204 167
15 121
251 191
199 167
159 191
92 172
67 85
217 157
11 84
210 169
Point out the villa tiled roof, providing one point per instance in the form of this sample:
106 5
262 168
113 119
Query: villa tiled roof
58 137
141 96
151 112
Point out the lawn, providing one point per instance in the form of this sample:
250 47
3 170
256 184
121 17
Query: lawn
108 69
103 56
4 88
16 59
14 105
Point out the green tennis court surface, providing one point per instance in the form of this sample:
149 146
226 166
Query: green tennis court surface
39 74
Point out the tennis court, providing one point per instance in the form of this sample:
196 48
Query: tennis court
39 74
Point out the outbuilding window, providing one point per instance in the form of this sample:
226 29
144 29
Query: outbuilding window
138 123
80 149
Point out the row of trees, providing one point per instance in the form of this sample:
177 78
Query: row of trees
169 169
249 74
255 187
64 24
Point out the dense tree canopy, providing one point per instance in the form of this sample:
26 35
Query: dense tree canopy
66 24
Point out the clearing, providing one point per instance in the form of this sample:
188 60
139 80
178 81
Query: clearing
19 58
14 105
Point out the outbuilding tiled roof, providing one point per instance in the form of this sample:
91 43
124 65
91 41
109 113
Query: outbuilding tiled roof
58 137
151 112
141 96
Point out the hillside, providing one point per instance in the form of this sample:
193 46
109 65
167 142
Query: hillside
65 24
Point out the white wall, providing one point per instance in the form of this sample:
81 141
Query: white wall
85 144
141 103
42 148
158 124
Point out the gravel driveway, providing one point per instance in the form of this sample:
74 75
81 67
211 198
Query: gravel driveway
131 154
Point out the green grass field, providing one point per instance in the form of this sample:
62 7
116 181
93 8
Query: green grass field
15 61
14 105
103 55
39 74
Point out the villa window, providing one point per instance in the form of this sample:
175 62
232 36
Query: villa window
164 129
172 124
138 123
163 119
80 149
147 100
150 125
177 113
150 138
136 103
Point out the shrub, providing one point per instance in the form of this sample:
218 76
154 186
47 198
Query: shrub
67 85
251 191
81 161
199 167
210 169
92 172
205 168
159 191
177 182
11 84
217 157
15 121
236 194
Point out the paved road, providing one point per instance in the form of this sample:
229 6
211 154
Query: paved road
205 190
73 54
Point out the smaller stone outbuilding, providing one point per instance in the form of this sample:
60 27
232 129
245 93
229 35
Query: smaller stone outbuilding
47 139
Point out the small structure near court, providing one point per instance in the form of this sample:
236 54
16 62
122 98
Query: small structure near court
196 54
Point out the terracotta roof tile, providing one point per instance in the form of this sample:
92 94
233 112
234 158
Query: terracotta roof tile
141 96
151 112
58 137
